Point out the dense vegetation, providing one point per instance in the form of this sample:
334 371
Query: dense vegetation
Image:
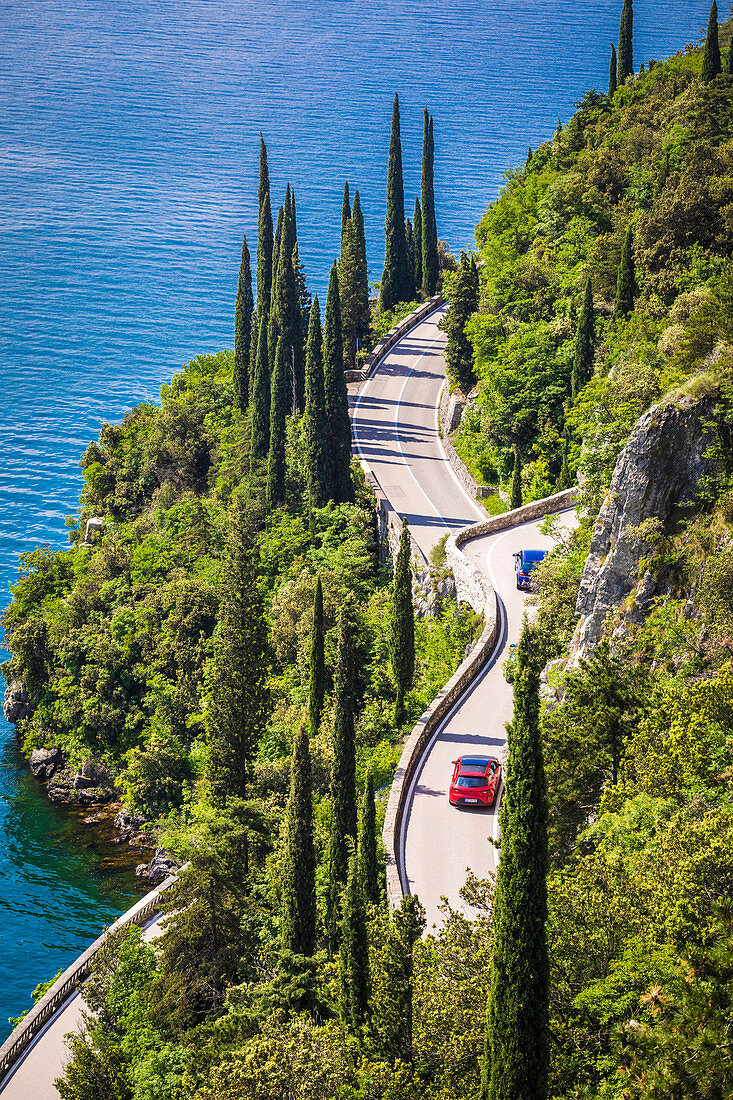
602 283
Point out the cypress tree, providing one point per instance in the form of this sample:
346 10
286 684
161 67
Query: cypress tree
430 270
515 500
300 318
239 701
315 426
243 329
261 397
626 44
264 258
279 408
338 437
517 1036
317 685
349 279
417 234
612 74
366 847
343 776
584 342
711 56
363 270
626 278
264 187
402 625
410 242
395 283
354 961
463 303
345 209
252 365
298 927
285 317
391 1015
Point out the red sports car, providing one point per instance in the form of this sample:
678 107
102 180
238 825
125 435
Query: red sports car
475 781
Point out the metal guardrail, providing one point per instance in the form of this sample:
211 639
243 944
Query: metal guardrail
68 982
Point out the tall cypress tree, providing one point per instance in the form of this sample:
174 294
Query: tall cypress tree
345 209
410 242
626 43
515 500
391 1015
261 397
315 426
343 776
264 257
298 922
285 317
273 329
243 329
402 625
336 398
300 323
363 277
626 278
349 276
279 408
317 685
395 285
354 961
366 847
585 337
430 270
264 187
612 77
711 57
729 63
417 234
239 701
463 303
517 1036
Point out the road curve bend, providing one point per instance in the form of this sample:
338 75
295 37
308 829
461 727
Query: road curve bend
395 423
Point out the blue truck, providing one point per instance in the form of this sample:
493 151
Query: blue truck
524 562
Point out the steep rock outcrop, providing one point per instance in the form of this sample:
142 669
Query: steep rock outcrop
659 468
16 703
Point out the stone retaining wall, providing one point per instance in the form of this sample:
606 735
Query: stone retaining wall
68 982
476 589
388 342
469 483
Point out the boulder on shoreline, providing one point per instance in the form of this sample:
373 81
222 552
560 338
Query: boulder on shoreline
159 868
17 704
44 763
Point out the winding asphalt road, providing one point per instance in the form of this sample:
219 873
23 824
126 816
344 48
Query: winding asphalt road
395 429
394 419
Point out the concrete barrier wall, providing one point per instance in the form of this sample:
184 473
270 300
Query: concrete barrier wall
68 982
387 342
477 590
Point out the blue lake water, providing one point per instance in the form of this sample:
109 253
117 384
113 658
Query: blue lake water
128 172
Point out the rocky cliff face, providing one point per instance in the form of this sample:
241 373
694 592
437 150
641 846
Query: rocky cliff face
659 468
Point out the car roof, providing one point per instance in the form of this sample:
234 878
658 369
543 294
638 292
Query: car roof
479 763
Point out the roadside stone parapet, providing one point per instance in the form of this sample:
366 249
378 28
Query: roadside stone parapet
389 524
71 979
387 342
450 410
474 588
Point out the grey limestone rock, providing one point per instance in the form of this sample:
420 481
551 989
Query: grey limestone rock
44 763
658 470
159 868
16 703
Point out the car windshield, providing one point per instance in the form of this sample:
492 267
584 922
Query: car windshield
474 763
471 781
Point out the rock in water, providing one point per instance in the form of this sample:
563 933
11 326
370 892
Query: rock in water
659 469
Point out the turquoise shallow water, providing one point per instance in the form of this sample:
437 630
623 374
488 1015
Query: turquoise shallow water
128 171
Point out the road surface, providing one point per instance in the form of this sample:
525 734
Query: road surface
395 429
